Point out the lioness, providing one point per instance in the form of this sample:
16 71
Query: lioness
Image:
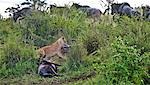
59 48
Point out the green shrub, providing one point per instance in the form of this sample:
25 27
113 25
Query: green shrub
21 68
126 65
16 58
91 44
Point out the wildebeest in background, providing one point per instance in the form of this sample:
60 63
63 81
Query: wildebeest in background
146 12
80 6
115 8
11 10
20 14
124 9
48 69
91 12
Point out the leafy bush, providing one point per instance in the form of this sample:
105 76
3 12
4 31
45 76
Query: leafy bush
16 57
91 44
21 68
126 65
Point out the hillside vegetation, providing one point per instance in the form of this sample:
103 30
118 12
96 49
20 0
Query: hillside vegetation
108 52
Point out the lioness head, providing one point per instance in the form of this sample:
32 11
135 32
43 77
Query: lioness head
64 46
61 41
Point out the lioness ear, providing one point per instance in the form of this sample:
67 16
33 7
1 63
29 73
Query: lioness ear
63 37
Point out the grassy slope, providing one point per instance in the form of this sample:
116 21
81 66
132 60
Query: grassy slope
122 45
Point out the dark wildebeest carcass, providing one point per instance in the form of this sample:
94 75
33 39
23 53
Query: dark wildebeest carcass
48 69
91 12
124 9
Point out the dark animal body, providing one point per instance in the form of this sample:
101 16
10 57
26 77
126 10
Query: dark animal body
146 12
48 69
124 9
21 13
116 8
91 12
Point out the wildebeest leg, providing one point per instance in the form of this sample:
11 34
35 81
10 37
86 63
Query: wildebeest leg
54 70
114 17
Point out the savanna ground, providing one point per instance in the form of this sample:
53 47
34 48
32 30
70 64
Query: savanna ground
109 52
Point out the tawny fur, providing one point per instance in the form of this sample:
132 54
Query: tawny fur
53 49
